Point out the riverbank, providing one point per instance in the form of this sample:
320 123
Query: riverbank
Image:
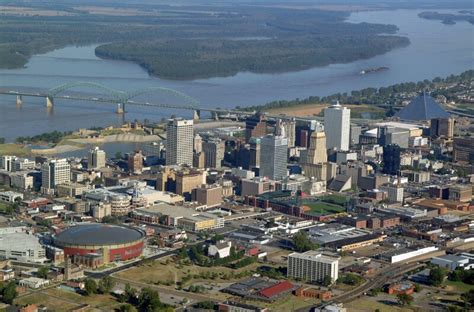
312 110
71 145
125 137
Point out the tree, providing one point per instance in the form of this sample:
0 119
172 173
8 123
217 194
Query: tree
327 280
405 299
106 284
90 286
437 276
468 297
43 272
149 300
130 294
303 243
8 292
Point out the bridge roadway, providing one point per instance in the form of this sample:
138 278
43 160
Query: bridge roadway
221 113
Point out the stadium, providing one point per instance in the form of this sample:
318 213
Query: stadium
112 242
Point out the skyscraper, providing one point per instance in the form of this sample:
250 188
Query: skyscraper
337 123
286 128
54 172
317 152
255 126
273 157
391 159
442 127
135 162
96 158
179 142
214 150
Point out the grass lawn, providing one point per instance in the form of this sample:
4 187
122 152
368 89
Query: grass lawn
369 305
159 271
458 286
13 149
334 198
3 206
61 300
318 208
53 304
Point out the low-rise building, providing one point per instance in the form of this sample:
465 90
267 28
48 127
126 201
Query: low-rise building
33 282
452 262
220 249
20 246
10 197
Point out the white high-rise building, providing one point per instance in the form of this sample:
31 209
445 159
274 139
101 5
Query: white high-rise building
273 157
6 162
96 158
312 266
54 172
179 142
337 125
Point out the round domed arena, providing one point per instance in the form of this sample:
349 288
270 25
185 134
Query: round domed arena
113 242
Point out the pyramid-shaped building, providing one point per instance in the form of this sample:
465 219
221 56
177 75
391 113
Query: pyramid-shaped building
423 107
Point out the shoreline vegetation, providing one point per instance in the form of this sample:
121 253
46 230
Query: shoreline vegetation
201 42
369 96
449 18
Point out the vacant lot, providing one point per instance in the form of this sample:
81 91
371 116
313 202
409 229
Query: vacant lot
56 299
170 272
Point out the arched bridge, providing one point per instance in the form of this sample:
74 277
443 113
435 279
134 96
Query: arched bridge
111 95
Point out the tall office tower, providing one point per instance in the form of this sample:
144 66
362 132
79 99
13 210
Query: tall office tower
54 172
273 157
356 131
135 162
255 126
391 159
6 162
213 150
254 153
197 144
442 127
317 152
286 128
337 123
179 142
96 158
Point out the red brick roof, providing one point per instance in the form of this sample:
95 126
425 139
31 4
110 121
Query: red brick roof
276 289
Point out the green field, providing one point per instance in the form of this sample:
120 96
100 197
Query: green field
13 149
458 286
322 208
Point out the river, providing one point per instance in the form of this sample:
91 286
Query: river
435 50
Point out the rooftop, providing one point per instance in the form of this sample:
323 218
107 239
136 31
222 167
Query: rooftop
98 234
423 107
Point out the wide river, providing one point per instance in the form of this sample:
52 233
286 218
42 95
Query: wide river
435 50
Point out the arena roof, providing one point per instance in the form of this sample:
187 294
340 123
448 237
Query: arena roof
423 107
95 234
